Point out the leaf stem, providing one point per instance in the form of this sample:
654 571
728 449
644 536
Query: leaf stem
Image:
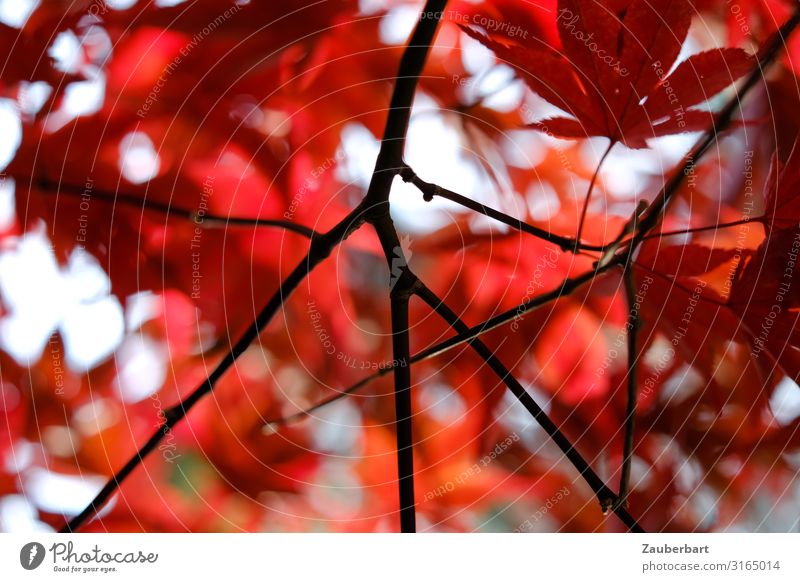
589 192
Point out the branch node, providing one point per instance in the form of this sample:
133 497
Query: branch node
407 174
406 285
429 193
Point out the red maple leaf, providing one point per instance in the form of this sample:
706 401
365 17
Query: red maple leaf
613 73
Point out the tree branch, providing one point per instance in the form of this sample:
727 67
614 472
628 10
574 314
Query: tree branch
373 208
55 189
429 191
703 228
376 201
469 333
606 496
403 413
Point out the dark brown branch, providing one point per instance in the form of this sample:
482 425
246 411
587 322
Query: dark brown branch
51 188
373 207
567 287
403 414
376 202
429 191
606 496
632 389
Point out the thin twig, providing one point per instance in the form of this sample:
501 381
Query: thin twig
703 228
429 191
590 188
51 188
632 389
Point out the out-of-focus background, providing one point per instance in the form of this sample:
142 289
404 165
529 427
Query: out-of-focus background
111 309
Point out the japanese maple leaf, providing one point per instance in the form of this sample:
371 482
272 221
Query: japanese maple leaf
613 73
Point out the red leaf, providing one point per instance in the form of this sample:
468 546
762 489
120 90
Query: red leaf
687 261
613 75
698 79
